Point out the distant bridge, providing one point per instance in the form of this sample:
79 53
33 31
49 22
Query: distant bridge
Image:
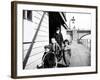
79 34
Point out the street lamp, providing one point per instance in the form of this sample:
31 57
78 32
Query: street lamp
73 21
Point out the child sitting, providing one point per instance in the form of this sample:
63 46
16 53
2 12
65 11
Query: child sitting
48 59
56 48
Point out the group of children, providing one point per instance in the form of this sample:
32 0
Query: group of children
55 53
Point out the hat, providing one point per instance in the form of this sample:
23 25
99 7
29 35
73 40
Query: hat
66 41
58 28
47 46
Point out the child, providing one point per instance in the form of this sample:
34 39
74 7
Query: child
48 59
66 52
56 48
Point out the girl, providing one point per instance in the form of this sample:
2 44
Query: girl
66 52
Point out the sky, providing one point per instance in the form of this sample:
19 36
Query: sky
82 20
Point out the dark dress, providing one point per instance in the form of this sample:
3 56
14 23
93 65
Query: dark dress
59 39
67 56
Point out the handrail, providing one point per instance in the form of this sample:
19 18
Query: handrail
37 53
34 38
34 48
33 42
41 30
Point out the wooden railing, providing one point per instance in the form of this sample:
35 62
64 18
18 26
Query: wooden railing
32 43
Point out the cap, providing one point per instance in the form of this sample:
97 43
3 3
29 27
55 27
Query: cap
47 46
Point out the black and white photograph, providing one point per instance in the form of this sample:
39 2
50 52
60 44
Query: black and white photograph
55 39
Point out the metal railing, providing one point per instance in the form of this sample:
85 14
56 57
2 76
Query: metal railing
86 43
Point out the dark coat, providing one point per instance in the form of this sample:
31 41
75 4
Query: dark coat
59 38
49 60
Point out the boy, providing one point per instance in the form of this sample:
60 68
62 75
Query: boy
48 59
56 49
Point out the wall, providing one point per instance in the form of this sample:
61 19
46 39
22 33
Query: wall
42 39
5 41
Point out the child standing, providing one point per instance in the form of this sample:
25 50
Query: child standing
66 52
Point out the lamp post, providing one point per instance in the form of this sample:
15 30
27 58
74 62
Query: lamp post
73 21
75 34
